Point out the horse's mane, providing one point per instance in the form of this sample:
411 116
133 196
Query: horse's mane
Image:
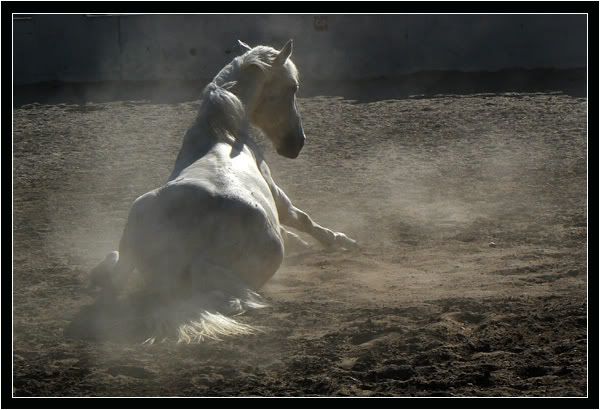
259 56
221 116
221 111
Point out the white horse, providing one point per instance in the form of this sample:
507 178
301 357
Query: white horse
212 235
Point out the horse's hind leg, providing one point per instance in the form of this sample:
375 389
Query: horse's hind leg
100 276
112 274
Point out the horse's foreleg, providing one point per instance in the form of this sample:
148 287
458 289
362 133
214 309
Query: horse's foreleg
293 217
293 241
296 218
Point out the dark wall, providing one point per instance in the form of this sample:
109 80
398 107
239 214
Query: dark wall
79 48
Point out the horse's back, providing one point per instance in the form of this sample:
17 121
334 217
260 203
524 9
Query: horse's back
230 181
225 172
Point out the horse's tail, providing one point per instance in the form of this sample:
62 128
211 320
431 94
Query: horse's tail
205 316
190 318
206 303
215 323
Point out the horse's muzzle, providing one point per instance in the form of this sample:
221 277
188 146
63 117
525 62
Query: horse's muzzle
291 150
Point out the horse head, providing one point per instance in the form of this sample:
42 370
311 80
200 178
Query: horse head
266 81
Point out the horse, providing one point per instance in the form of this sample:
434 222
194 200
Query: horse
211 236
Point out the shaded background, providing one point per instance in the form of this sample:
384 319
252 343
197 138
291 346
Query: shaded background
110 52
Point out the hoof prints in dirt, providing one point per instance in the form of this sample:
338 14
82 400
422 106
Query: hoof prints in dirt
451 347
131 371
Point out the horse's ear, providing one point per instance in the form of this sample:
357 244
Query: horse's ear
244 46
284 53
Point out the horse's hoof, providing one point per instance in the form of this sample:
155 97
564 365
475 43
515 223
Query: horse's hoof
354 246
344 242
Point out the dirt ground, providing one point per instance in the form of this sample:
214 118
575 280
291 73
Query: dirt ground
470 281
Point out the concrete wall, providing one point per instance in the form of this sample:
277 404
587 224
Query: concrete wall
79 48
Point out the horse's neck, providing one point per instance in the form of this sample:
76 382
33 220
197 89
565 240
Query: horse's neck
227 74
246 92
199 140
195 145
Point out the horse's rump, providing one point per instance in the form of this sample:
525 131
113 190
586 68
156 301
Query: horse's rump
183 221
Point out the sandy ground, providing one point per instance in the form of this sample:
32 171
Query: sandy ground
471 278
